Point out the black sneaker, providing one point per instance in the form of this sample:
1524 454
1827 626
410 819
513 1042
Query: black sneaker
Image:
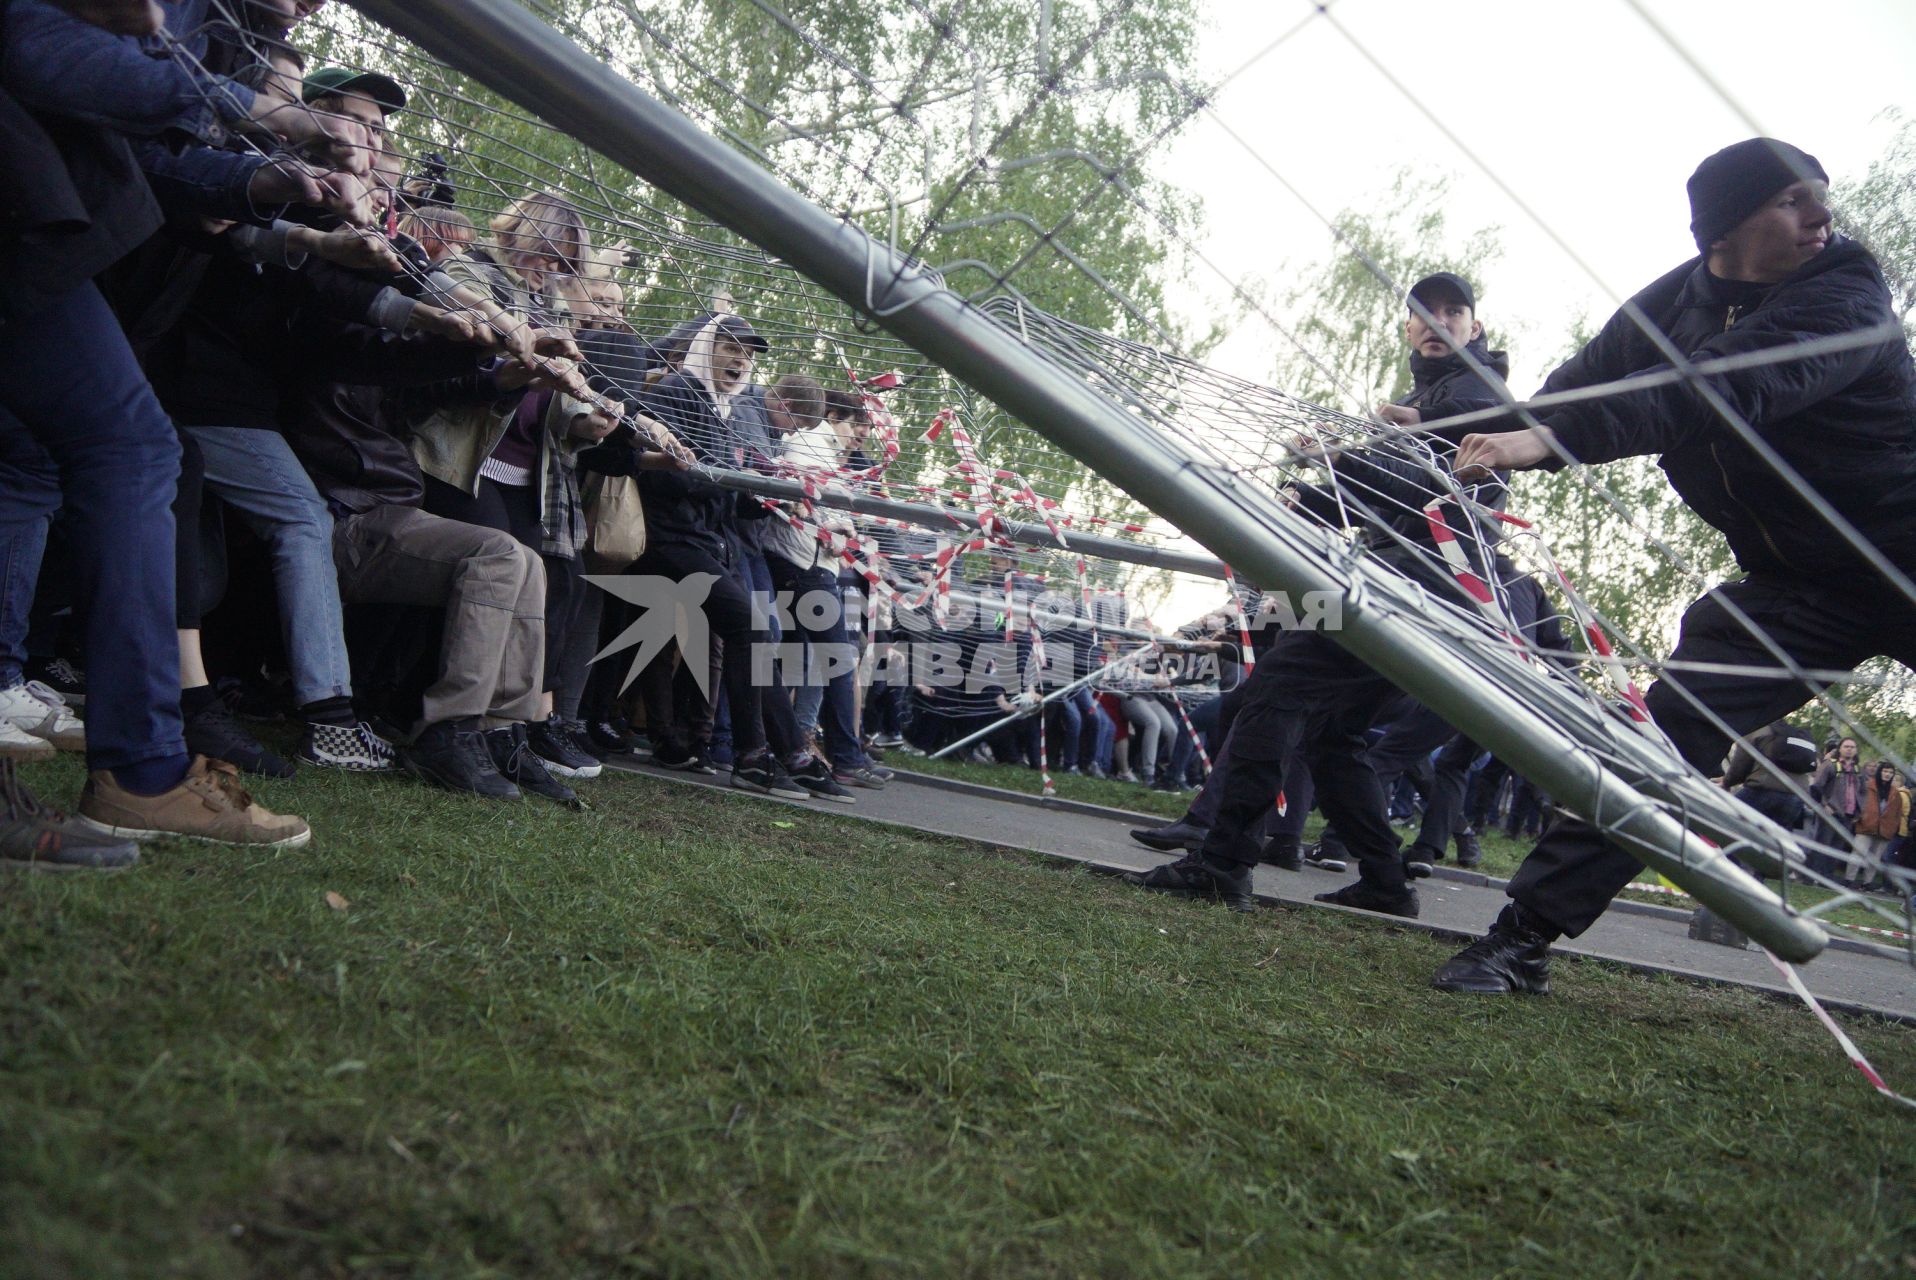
1366 896
453 754
607 738
60 676
39 837
356 748
1510 958
211 731
669 755
816 777
520 765
1192 877
1418 862
1281 853
760 771
1182 834
1470 851
580 740
888 741
1314 855
562 756
871 777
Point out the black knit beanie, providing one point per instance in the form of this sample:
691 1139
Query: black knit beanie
1733 184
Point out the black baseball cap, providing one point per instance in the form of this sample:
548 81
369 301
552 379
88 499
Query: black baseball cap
370 84
1444 284
740 330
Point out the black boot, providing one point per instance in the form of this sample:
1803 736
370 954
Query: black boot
1192 877
1366 896
1469 851
1182 834
1514 956
1281 852
452 754
511 751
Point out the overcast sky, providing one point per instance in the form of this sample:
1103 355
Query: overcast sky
1580 106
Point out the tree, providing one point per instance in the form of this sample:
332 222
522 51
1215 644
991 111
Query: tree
1880 210
998 141
1349 322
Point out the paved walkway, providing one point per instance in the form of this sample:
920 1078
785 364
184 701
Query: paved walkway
1860 978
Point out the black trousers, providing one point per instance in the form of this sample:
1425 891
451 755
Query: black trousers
1444 802
758 716
1308 699
1573 873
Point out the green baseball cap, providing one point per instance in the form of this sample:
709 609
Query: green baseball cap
369 84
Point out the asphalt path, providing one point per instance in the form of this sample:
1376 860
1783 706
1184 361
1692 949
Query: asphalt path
1858 977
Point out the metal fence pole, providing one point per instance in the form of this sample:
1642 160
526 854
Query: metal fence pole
507 49
1037 708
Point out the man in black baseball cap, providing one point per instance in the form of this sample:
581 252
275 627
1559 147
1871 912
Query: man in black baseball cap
1442 285
1773 277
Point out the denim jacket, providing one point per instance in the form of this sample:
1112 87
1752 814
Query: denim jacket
57 63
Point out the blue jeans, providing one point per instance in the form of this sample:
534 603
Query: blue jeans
72 386
255 473
32 485
838 699
1203 716
1104 730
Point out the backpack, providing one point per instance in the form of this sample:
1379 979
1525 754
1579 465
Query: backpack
1789 748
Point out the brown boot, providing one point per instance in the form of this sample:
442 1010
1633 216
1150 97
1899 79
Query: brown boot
209 804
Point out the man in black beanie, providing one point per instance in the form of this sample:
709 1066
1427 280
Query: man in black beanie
1841 418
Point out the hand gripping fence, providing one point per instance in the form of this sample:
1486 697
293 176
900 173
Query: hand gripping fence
1590 763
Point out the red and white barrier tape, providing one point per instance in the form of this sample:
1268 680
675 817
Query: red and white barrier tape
1197 740
1854 1054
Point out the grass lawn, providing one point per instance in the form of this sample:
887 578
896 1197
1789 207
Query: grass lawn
693 1034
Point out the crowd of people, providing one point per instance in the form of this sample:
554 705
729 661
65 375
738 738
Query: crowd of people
271 403
268 372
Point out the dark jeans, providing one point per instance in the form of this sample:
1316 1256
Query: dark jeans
1307 699
824 632
1573 873
72 387
730 617
1203 716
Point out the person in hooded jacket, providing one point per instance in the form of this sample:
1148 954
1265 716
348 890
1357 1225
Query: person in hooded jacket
687 519
1771 275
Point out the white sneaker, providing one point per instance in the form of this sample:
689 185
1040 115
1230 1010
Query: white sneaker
17 744
38 710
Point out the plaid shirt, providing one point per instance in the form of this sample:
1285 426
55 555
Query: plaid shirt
561 512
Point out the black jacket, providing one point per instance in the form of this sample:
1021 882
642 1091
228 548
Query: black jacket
347 435
1445 386
681 506
1390 484
1845 420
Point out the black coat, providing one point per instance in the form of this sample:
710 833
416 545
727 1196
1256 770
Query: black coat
1844 420
1445 386
1390 484
682 506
